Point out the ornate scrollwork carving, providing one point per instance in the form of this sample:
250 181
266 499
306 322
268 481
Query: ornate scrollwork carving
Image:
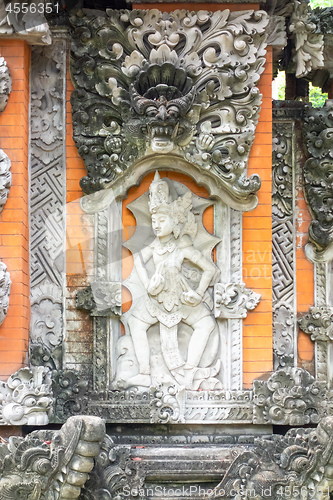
70 394
234 300
5 84
318 173
26 397
290 396
299 461
5 178
185 82
165 406
50 464
30 24
115 473
100 299
5 283
46 327
318 323
309 44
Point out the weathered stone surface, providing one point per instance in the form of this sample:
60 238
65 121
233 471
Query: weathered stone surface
291 396
47 203
224 466
50 464
197 98
28 24
26 397
318 173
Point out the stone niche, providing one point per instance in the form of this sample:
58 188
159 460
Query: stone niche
160 95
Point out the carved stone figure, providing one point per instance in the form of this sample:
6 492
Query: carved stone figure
174 275
50 465
26 397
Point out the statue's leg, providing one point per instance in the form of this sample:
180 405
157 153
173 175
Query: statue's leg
202 330
138 330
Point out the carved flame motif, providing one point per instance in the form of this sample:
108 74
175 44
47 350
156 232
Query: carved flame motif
153 83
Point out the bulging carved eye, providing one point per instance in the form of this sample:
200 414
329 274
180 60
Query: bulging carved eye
151 111
173 111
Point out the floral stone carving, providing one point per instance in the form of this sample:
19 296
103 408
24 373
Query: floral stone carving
153 83
50 464
234 300
318 323
100 299
5 84
29 24
169 286
26 397
318 173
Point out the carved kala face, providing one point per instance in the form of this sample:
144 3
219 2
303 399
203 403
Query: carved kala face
162 125
162 225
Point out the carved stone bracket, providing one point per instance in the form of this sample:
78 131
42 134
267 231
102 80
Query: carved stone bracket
309 44
27 24
318 323
100 299
26 397
291 396
178 91
318 175
234 300
50 464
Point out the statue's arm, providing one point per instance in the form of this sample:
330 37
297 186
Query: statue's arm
140 259
208 268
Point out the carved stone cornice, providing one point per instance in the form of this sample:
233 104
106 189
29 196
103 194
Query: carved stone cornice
179 91
50 464
26 23
291 396
234 300
318 323
318 174
26 397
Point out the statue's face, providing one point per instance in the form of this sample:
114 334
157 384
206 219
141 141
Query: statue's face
162 224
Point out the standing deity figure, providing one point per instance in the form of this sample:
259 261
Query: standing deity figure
168 298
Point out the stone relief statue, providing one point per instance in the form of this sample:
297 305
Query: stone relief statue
172 274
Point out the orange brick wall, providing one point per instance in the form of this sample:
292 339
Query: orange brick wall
257 243
79 252
14 222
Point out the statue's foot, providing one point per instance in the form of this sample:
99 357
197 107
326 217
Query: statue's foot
139 380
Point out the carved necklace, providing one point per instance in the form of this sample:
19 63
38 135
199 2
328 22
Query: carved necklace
167 247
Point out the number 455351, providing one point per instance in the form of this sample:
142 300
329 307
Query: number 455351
33 7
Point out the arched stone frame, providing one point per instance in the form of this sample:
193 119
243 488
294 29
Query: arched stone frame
105 207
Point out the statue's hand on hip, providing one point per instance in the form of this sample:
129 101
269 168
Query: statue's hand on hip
156 284
191 298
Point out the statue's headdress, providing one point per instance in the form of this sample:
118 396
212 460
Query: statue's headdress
160 201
